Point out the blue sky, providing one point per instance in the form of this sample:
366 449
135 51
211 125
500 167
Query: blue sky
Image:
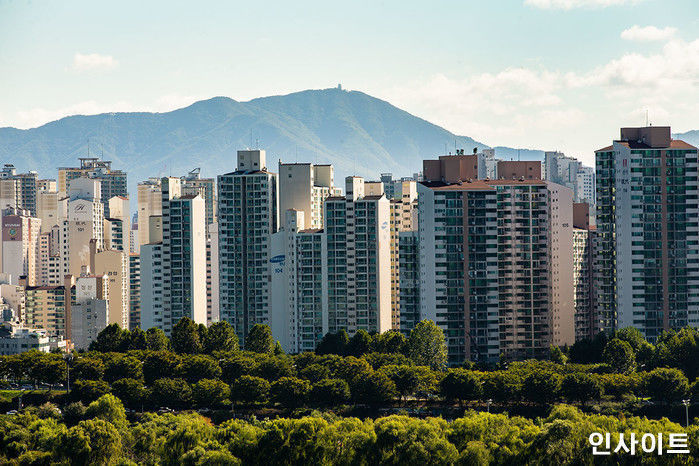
548 74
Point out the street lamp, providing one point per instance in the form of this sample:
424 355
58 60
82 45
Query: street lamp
686 411
19 402
490 400
69 358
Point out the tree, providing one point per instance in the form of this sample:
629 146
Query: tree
234 367
502 386
359 344
85 368
643 350
221 337
197 367
131 392
100 442
619 355
185 337
581 387
250 389
89 390
556 355
315 372
330 392
137 339
375 389
73 413
111 339
260 340
160 365
390 342
541 386
333 343
460 384
208 392
667 385
123 367
274 367
108 408
410 379
290 391
426 345
171 393
156 339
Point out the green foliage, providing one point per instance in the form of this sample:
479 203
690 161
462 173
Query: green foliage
260 340
556 355
390 342
314 372
210 393
375 389
160 365
427 346
112 339
86 368
185 337
108 408
130 391
619 355
581 387
197 367
359 344
667 385
250 389
171 393
123 367
330 392
501 386
290 392
89 390
220 337
156 340
333 343
138 339
460 384
541 386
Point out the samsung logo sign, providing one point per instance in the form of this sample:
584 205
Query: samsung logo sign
277 259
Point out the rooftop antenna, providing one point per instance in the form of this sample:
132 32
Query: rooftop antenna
518 159
250 138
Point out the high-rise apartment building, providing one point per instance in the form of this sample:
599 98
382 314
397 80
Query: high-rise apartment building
193 184
247 217
299 290
183 255
358 236
403 208
26 188
89 309
20 249
134 291
584 240
495 271
408 280
85 222
152 284
304 187
113 182
647 205
149 205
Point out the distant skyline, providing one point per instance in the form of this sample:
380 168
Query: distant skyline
542 74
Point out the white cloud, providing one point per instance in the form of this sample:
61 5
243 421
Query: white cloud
571 4
93 62
575 111
648 33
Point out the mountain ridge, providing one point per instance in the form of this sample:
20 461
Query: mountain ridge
358 133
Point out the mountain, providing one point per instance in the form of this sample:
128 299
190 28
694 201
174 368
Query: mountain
357 133
690 137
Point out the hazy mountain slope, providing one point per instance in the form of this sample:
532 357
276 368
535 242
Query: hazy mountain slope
358 133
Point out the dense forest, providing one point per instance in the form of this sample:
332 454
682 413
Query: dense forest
133 396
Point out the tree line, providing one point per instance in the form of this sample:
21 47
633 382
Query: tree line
200 367
102 434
